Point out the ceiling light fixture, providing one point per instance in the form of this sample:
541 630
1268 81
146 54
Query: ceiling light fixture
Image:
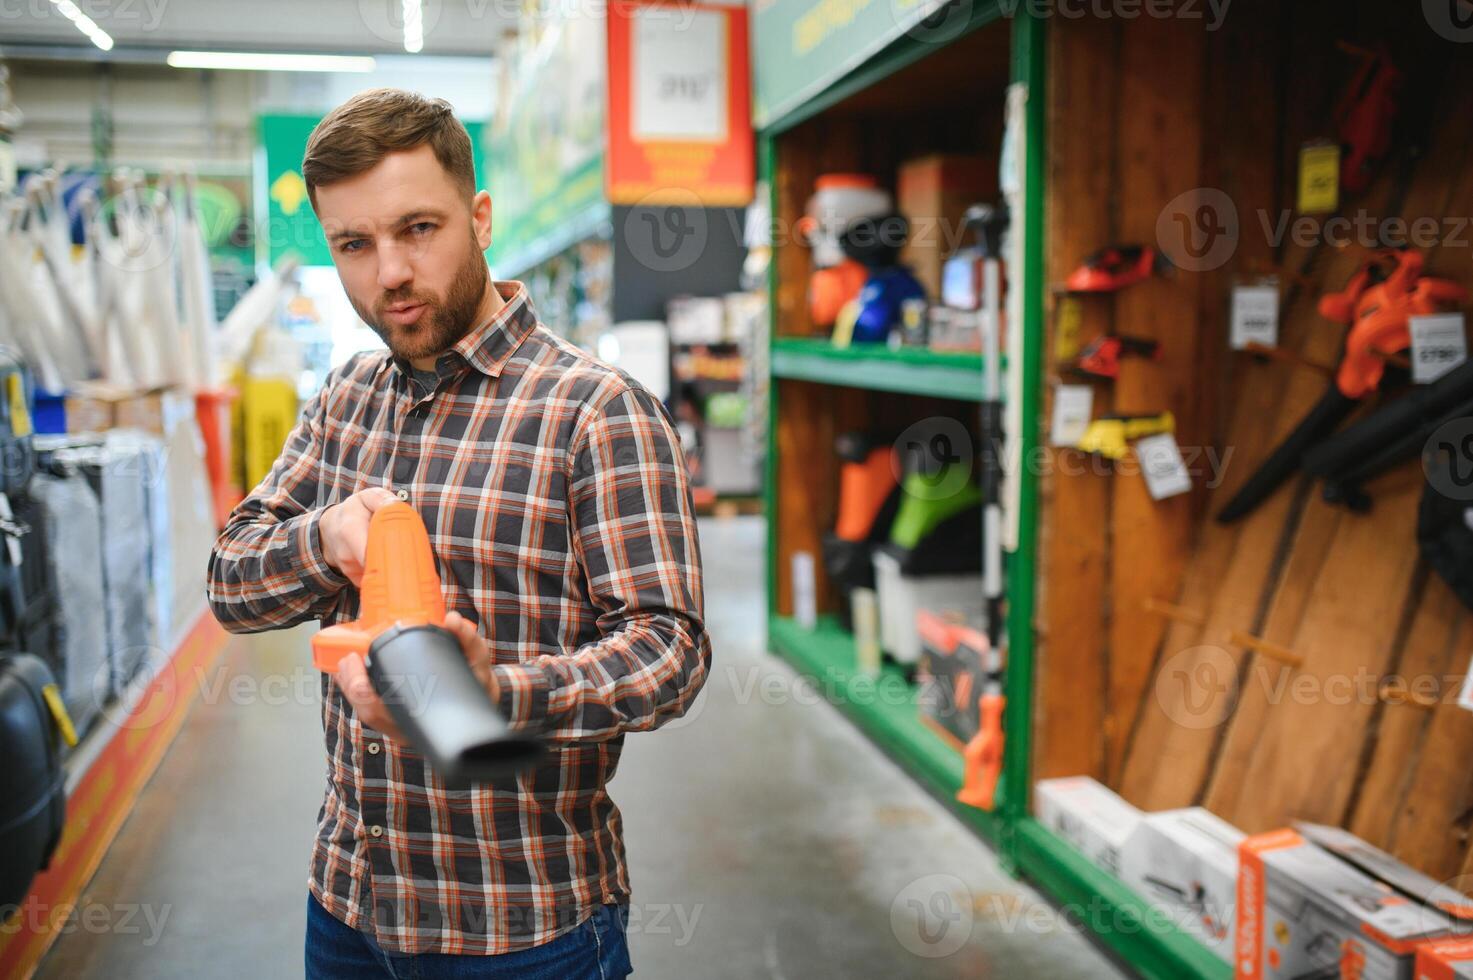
414 26
262 61
85 24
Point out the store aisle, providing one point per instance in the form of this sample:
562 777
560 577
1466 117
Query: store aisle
766 837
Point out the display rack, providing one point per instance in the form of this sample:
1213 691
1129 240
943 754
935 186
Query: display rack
830 387
1108 587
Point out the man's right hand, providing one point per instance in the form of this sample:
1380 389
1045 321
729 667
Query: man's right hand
344 531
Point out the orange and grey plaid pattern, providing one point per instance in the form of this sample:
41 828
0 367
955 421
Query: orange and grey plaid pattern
559 510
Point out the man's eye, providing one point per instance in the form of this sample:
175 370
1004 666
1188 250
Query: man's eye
422 227
354 245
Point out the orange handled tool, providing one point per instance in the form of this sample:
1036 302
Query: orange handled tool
983 755
400 586
415 664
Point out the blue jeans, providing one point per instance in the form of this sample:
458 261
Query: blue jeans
596 950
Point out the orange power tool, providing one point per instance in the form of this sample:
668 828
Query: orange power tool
982 757
415 664
1377 304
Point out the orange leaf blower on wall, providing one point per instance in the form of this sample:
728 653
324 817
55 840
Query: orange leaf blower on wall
416 665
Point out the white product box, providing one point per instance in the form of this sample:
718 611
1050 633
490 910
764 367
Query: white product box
902 596
696 319
1304 912
1089 816
1186 863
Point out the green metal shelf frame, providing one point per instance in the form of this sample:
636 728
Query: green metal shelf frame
1116 915
910 370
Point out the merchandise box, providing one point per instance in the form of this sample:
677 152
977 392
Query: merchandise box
1090 816
96 406
951 675
933 192
1385 868
902 596
1304 912
1186 862
1446 959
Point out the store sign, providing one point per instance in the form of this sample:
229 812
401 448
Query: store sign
291 226
679 109
544 144
804 46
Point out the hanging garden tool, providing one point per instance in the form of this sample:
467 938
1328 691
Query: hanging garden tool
415 664
1365 116
984 753
1110 436
1115 267
1101 359
1377 303
1392 435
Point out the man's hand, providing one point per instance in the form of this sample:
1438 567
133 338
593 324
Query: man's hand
344 531
369 708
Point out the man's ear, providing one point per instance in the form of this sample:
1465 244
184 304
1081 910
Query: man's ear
481 218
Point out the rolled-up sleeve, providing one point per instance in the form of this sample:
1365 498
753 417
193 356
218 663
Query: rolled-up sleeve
266 570
634 533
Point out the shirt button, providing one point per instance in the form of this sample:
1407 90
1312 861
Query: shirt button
373 748
402 493
376 830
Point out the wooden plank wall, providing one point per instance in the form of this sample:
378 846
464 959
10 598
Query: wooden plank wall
1179 709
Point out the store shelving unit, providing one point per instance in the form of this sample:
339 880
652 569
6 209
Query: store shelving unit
818 390
911 370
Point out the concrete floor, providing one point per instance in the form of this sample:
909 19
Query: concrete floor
766 836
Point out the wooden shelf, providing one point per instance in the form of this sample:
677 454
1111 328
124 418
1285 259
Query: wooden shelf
910 370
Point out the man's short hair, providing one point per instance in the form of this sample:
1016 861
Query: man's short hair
355 136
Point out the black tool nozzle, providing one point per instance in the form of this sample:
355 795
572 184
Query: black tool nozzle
442 708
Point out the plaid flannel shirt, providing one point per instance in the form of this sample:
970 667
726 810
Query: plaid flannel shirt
559 511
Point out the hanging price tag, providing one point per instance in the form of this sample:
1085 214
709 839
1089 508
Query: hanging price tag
1162 465
1067 327
1073 405
1439 344
1255 316
1319 178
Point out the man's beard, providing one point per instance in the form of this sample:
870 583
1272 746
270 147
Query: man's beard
444 320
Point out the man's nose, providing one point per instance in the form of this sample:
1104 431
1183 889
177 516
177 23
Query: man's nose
394 269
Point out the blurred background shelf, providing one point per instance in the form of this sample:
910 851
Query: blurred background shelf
909 370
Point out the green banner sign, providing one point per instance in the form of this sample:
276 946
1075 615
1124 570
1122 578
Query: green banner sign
801 47
291 227
545 147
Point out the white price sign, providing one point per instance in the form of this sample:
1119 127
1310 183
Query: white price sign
1162 465
1073 405
1439 344
1255 316
679 58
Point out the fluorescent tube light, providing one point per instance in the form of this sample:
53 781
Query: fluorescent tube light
263 61
414 26
85 24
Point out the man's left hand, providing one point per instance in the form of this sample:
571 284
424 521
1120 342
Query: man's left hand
369 708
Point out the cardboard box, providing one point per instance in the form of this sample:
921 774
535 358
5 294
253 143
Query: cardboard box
1186 862
951 674
97 406
1088 815
696 319
1446 959
1400 876
1302 911
934 192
